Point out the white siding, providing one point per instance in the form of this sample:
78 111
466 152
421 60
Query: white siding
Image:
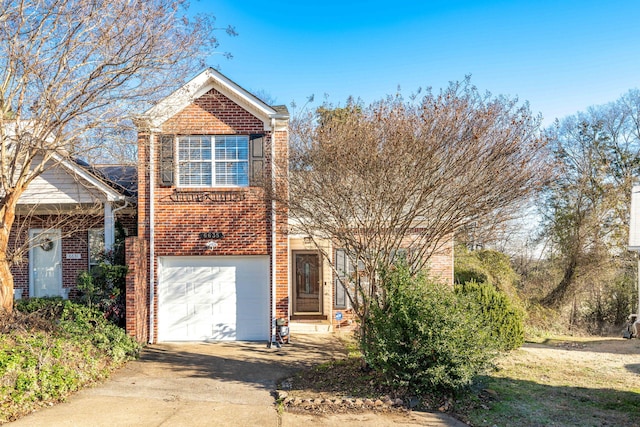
634 220
57 186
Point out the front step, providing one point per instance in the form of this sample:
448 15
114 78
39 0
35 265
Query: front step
310 327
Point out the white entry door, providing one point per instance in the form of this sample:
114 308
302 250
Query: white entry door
45 263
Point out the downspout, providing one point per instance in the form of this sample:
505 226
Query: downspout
112 238
152 270
114 211
272 331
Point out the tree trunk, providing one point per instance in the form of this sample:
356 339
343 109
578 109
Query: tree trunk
556 296
7 215
6 286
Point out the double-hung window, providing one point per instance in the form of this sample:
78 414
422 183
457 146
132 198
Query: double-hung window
213 161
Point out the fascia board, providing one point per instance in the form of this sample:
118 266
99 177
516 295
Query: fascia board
110 194
198 86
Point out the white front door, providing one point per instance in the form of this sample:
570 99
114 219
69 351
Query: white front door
45 263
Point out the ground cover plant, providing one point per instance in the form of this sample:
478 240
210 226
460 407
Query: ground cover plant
50 347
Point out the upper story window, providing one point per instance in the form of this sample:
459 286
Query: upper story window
213 161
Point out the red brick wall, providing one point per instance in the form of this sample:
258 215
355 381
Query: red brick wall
137 291
245 224
74 232
74 240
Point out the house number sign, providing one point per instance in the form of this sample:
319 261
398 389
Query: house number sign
211 235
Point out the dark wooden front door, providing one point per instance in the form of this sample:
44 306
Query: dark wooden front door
307 298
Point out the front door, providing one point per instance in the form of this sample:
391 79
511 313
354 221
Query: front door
307 298
45 263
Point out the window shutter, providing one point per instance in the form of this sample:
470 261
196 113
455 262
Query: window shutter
166 159
342 269
256 158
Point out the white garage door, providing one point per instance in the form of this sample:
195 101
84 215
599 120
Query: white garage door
213 298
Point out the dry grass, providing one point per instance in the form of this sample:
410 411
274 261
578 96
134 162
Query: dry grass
565 381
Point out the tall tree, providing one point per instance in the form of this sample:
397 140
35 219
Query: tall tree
402 176
587 208
72 74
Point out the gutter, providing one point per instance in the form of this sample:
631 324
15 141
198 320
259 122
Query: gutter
272 330
152 251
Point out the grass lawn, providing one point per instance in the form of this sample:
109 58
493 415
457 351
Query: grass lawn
563 381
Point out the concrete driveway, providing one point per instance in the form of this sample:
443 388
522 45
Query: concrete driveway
210 384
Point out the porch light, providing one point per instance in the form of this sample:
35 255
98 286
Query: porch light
211 245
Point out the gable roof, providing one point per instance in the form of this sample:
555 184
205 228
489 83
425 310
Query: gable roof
203 83
111 190
73 167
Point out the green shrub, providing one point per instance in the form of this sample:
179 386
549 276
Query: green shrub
422 337
485 266
53 348
103 287
504 317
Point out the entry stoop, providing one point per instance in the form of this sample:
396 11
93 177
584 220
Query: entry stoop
310 326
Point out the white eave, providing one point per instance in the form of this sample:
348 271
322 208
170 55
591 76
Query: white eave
110 193
198 86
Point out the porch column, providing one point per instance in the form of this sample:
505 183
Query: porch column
109 227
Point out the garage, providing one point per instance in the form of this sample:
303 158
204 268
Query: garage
218 298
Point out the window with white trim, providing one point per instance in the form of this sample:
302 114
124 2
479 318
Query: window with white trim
213 161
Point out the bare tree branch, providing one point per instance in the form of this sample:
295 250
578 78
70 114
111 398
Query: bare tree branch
73 73
408 174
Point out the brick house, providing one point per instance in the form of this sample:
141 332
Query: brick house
210 255
214 258
64 220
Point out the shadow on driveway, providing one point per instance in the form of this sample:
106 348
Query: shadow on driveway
248 362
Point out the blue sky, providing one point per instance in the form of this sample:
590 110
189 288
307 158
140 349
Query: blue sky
561 56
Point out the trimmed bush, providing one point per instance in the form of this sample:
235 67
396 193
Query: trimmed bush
423 337
504 318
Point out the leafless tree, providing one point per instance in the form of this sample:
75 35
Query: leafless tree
401 177
586 210
72 74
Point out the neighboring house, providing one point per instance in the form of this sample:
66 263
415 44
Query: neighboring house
64 219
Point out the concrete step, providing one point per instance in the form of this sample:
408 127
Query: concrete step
309 327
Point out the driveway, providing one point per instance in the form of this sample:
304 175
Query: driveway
209 384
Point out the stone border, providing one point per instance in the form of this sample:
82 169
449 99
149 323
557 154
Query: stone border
383 403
